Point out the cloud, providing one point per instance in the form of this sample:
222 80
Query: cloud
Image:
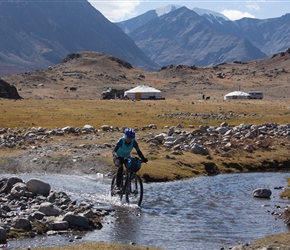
116 10
236 14
253 6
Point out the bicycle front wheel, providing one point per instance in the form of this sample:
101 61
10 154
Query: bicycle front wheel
134 192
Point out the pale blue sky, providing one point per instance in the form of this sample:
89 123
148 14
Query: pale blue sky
119 10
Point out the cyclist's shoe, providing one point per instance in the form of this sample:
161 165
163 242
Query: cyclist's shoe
118 190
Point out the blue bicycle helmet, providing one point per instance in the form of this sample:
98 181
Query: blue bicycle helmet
130 133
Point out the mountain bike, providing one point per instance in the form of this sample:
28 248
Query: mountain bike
131 185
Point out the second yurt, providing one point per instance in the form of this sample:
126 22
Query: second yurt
236 95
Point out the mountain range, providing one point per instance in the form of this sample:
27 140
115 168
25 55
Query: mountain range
39 34
178 35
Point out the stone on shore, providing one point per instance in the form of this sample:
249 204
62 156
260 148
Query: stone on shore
38 187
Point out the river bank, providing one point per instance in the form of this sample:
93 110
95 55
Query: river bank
202 206
87 150
178 152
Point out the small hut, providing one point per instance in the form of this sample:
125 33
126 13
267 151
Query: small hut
143 92
236 95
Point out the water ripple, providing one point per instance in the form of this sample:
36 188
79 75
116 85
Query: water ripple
200 213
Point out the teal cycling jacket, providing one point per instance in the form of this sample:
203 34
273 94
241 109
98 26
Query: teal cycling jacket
124 149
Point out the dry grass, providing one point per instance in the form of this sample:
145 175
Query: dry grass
61 113
286 193
275 242
99 246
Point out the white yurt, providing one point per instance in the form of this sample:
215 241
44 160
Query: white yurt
236 95
143 92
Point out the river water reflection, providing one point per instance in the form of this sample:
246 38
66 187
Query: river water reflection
200 213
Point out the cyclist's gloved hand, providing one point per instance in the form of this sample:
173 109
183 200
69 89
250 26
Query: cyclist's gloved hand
145 160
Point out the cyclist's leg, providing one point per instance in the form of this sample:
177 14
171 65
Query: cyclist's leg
113 185
119 175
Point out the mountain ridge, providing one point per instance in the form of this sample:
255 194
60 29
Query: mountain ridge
184 37
264 37
84 75
36 35
39 34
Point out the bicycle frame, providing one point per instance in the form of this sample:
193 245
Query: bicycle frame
132 187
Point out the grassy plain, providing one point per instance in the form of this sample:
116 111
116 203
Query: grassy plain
165 113
60 113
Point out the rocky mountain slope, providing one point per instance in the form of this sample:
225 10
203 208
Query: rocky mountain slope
37 34
183 37
85 75
201 37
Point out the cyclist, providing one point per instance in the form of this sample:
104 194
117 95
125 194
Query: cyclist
122 150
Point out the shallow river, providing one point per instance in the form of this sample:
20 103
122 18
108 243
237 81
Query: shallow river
200 213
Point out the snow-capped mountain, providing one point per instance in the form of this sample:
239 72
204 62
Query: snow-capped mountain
210 15
132 24
178 35
167 9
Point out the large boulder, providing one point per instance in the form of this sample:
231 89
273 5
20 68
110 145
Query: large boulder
262 193
76 220
8 91
60 225
49 209
7 184
38 187
21 223
18 190
3 235
197 149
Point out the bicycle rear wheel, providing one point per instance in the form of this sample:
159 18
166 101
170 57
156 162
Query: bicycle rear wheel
134 192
